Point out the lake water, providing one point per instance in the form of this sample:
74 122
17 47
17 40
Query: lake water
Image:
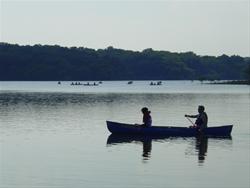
55 136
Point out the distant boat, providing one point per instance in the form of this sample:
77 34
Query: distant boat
159 83
130 82
59 83
155 83
89 84
152 84
76 83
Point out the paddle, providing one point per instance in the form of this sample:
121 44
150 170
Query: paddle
190 121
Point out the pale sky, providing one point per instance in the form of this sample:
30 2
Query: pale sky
204 27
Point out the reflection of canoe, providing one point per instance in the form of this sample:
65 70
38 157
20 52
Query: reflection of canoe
201 142
124 138
146 141
122 128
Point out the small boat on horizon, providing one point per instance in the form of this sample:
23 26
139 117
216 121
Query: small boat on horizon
89 84
155 83
76 84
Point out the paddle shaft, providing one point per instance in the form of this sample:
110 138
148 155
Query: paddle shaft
190 121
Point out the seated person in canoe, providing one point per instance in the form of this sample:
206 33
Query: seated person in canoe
201 118
147 119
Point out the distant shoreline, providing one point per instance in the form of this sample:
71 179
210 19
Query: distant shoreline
232 82
219 82
47 62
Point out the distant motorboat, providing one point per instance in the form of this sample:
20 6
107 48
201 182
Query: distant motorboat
130 82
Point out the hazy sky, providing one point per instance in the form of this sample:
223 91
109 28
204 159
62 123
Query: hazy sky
204 27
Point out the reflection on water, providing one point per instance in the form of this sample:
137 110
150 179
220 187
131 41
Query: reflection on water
146 142
122 87
147 147
58 140
200 145
167 109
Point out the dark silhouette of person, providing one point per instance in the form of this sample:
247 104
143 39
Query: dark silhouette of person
201 118
147 119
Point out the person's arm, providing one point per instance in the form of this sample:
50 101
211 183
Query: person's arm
191 116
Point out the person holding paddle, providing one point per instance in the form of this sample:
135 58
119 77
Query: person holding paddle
201 119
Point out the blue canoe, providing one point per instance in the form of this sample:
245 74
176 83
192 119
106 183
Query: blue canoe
130 129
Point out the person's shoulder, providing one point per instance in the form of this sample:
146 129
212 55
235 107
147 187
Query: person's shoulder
204 114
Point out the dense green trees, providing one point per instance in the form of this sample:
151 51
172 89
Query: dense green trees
60 63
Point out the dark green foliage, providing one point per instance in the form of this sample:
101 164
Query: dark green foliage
60 63
247 70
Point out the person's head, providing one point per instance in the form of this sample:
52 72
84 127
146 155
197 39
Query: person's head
145 110
201 109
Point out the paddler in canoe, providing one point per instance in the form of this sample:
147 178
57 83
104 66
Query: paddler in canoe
201 119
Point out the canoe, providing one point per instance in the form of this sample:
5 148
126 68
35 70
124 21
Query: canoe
130 129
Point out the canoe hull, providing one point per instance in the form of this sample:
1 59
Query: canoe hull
130 129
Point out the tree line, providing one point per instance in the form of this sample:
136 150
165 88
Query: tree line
46 62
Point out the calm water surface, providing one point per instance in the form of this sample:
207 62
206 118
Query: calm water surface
55 136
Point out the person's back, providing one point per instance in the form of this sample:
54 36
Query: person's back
147 119
202 120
